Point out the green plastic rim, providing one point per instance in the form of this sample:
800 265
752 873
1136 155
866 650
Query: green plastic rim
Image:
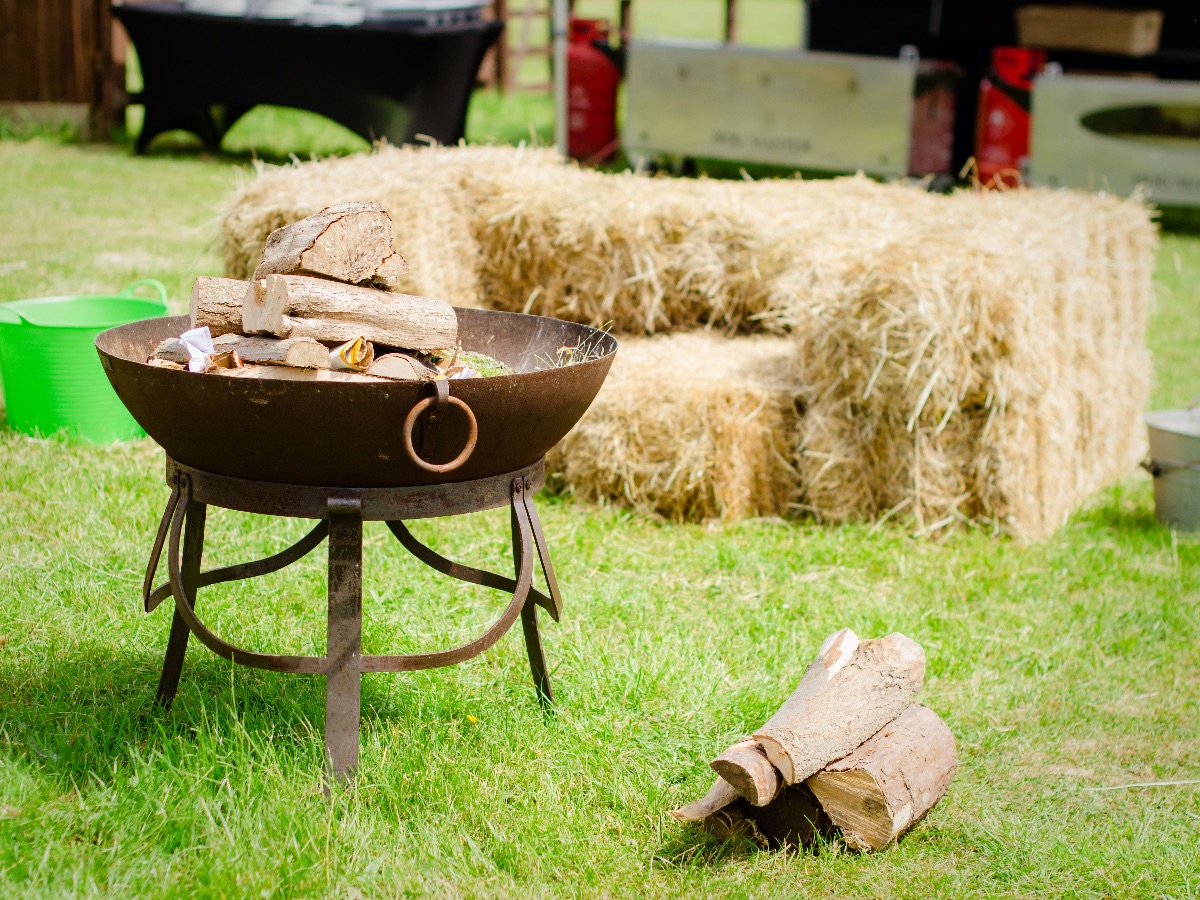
52 376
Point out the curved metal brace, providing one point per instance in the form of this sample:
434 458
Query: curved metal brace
539 540
151 598
412 661
469 574
242 571
183 604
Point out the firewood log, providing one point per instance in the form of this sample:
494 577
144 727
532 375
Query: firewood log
217 303
301 306
746 767
350 242
720 795
850 691
301 353
889 782
399 367
286 373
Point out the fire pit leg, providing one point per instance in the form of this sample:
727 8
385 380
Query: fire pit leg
193 549
343 678
529 623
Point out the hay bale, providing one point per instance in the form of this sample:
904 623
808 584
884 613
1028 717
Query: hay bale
689 427
422 188
987 364
648 255
973 357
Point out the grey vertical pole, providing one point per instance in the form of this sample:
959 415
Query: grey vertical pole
560 20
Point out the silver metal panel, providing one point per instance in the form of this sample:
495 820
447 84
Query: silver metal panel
1064 152
787 107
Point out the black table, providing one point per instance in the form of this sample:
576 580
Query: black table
394 81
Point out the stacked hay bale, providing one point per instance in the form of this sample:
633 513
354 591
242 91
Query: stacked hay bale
988 364
690 427
972 357
421 188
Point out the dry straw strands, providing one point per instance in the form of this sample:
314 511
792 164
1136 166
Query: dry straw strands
421 188
689 427
973 357
987 364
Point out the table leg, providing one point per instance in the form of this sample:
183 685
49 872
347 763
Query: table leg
343 678
189 571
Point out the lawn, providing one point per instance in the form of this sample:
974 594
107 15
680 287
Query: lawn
1067 670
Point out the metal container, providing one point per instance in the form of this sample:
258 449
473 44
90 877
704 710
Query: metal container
1175 465
367 435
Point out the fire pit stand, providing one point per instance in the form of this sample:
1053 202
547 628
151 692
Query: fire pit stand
341 512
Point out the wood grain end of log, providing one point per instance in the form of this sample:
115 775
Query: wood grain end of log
391 270
883 788
746 767
264 305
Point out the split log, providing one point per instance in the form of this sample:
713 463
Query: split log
300 306
746 767
350 242
886 785
217 303
399 367
850 691
300 353
286 373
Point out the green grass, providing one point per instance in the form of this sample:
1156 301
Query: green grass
1062 667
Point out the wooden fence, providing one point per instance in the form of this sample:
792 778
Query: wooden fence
60 53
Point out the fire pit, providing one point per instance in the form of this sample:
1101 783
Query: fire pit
348 453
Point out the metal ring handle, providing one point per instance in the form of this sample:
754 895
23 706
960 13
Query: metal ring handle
462 457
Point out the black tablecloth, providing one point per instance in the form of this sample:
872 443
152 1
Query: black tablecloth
395 81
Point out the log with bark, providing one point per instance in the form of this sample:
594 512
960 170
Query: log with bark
889 782
300 353
217 303
746 767
350 242
302 306
847 742
847 694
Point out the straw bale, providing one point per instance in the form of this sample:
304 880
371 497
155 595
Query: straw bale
987 364
648 255
689 426
422 189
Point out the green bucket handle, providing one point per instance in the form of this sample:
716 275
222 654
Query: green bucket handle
147 282
9 317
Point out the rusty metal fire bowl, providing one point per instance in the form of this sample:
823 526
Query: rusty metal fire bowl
345 453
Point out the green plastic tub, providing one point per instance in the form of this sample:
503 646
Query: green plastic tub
52 377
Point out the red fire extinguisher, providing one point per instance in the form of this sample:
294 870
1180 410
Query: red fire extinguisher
1002 129
593 75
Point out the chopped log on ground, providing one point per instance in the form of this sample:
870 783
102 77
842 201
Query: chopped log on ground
217 303
350 242
850 691
746 767
889 782
300 353
302 306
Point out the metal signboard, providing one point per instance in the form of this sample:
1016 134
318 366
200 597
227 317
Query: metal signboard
1119 135
794 108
